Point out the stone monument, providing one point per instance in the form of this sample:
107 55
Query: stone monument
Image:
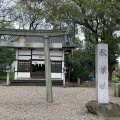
101 106
101 66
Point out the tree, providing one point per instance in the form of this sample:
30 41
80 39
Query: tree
99 19
7 55
6 14
81 62
31 14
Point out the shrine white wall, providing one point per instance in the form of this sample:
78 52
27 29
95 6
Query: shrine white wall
21 75
37 54
56 75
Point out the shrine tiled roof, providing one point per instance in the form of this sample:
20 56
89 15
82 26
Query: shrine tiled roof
67 40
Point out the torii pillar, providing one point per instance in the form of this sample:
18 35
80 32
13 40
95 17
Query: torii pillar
48 70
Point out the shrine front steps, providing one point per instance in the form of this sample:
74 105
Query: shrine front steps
35 82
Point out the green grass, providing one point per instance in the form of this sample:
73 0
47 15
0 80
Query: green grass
4 77
114 78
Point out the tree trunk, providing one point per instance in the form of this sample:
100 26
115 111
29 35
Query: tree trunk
110 73
69 74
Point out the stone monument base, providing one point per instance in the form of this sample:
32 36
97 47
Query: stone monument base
104 110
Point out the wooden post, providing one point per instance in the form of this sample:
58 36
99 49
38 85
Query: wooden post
78 81
117 89
48 70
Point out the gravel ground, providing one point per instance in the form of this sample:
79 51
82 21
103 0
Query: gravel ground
29 103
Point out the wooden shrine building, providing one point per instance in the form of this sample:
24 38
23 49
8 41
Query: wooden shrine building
30 53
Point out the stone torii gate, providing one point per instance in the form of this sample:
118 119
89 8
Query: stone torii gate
46 34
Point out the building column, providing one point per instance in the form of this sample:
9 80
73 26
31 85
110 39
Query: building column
16 65
48 70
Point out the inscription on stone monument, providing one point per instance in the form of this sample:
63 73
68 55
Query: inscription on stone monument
102 86
103 69
102 52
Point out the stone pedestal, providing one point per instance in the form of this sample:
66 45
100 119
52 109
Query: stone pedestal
104 110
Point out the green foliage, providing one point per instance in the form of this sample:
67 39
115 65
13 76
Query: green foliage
117 73
7 56
82 61
114 78
80 71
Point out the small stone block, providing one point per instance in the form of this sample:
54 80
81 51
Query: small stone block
104 110
117 89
